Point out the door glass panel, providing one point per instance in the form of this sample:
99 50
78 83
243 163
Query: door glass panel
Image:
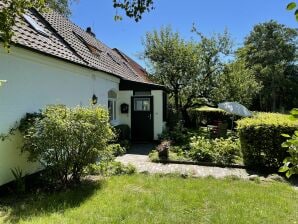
142 104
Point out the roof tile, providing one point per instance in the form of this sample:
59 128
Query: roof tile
69 42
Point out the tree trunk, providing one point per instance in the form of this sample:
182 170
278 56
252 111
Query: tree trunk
273 94
176 99
186 117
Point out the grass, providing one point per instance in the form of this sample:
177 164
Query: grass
159 199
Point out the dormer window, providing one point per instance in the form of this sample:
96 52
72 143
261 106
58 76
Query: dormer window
35 25
113 58
94 50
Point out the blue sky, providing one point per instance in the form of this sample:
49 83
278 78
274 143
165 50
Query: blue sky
210 16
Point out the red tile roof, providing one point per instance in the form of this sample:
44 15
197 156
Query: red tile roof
135 66
69 42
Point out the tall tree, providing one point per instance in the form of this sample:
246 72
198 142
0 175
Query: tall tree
174 61
186 68
270 52
236 83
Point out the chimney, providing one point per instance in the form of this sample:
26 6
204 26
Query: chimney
89 30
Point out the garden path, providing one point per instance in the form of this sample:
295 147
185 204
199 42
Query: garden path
138 157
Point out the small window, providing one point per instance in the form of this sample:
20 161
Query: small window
142 104
112 109
112 105
142 93
35 25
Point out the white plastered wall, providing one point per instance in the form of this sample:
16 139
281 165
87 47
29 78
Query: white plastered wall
158 112
125 97
34 81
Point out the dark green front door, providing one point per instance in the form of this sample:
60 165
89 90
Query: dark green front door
142 118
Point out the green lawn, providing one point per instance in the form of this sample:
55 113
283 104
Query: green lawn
156 199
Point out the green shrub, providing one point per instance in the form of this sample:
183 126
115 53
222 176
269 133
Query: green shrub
201 150
116 149
221 151
178 135
205 115
227 150
110 169
66 140
291 162
261 139
123 132
126 144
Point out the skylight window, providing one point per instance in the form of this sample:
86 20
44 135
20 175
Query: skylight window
35 25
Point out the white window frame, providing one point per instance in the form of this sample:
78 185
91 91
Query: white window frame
113 115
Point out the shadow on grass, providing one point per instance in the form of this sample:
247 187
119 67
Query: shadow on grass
28 206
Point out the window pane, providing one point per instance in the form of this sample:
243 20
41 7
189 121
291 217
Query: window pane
110 108
114 111
142 104
112 94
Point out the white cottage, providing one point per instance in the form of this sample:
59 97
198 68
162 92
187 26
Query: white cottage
53 61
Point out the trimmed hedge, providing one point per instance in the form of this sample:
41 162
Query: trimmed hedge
205 115
261 139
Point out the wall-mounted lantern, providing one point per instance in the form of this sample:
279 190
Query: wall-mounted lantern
94 99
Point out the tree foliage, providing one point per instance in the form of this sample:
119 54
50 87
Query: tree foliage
270 53
174 60
14 8
236 83
293 6
61 6
133 8
290 166
186 68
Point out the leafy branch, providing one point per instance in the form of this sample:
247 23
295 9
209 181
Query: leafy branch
293 6
291 162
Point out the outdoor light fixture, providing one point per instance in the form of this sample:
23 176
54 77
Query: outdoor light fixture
94 99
